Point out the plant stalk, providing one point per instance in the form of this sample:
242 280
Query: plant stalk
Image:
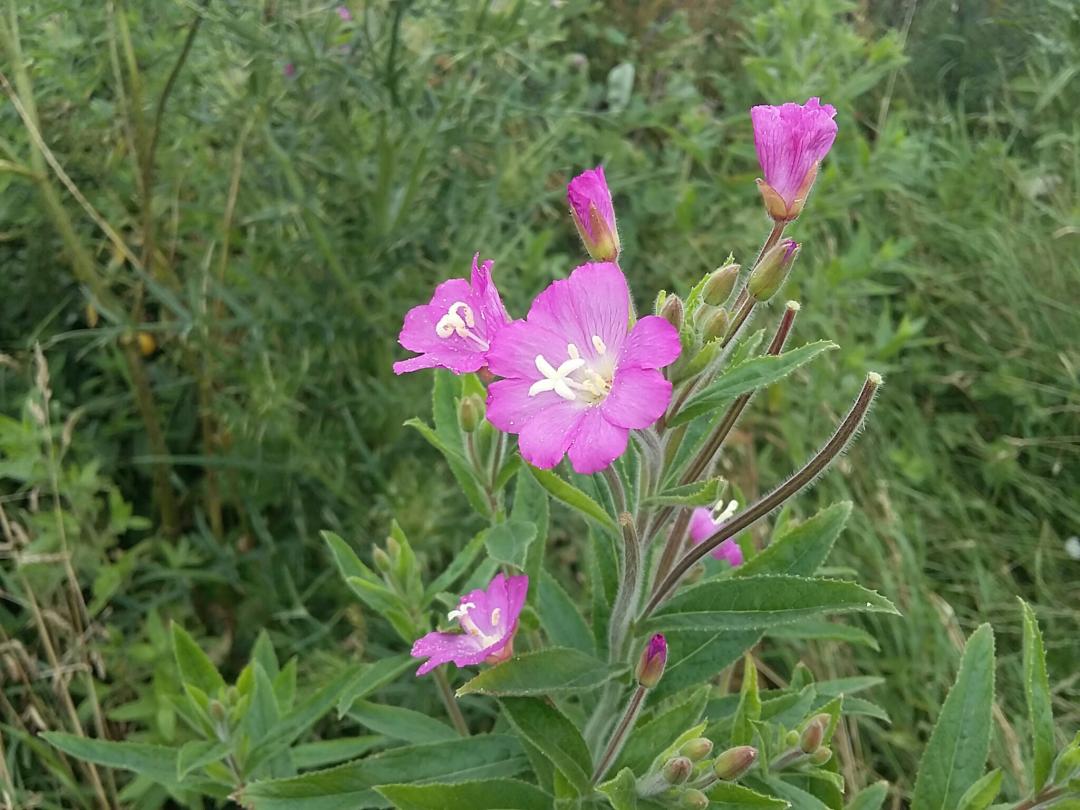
452 708
622 731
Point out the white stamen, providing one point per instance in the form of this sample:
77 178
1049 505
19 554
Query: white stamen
599 345
720 515
459 320
572 350
496 614
468 316
556 379
460 611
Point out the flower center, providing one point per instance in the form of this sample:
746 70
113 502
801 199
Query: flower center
461 613
459 320
590 385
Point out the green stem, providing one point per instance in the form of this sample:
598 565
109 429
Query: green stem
622 731
629 589
450 702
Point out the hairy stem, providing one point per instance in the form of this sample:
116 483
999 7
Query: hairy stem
753 513
629 588
619 735
452 708
1037 801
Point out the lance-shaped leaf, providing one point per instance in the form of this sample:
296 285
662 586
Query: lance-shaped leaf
802 549
1037 692
955 756
700 493
484 794
870 798
552 733
573 497
543 672
748 376
195 666
748 603
733 796
561 618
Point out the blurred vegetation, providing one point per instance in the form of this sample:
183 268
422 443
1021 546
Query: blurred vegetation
278 184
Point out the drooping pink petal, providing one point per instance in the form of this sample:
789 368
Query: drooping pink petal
598 443
652 343
593 302
701 525
790 139
551 431
492 312
729 550
440 648
639 396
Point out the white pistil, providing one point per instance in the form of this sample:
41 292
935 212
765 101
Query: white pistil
720 515
459 320
460 611
556 379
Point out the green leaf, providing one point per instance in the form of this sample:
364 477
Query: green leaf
487 794
400 723
648 738
198 754
556 669
1037 692
982 794
733 796
700 493
351 786
745 603
155 762
195 666
801 549
823 630
955 756
509 542
461 468
372 677
531 504
748 376
552 733
695 656
573 497
321 753
287 730
749 710
458 567
870 798
364 582
621 791
799 798
561 618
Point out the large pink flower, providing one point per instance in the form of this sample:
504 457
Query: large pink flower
454 330
489 619
703 525
578 380
594 215
791 140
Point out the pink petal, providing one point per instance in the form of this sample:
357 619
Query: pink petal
591 187
702 525
639 396
594 300
490 307
440 648
509 406
729 550
515 347
597 443
547 435
790 139
653 343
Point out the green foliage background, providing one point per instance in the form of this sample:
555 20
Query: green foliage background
289 222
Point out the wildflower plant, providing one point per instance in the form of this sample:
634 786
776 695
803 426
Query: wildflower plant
644 688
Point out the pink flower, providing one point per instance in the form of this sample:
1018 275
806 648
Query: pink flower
454 330
344 13
489 619
791 140
703 525
289 70
594 215
577 379
652 662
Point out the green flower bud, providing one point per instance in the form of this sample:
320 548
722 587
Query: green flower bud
672 311
720 285
381 560
697 749
217 710
772 271
393 547
677 770
470 412
821 756
693 800
792 737
735 762
713 323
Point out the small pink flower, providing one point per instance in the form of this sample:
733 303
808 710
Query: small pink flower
703 525
791 140
489 619
454 330
289 70
344 13
652 662
577 379
594 215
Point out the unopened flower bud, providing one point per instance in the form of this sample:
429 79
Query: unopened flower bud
697 749
470 412
772 271
217 710
735 762
677 770
653 660
594 215
693 800
713 322
814 733
718 288
381 560
792 737
672 311
821 756
393 547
